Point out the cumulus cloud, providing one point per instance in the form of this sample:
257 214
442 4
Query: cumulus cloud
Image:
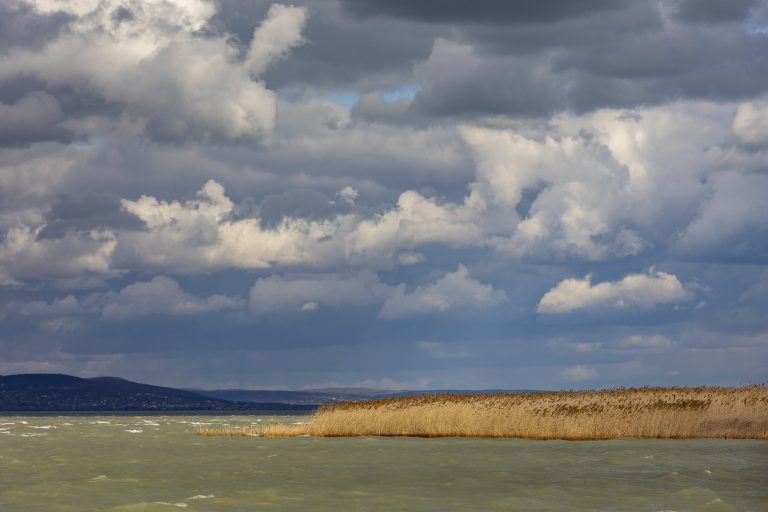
160 296
365 289
585 188
279 32
633 291
153 59
455 290
349 194
599 186
750 125
201 234
23 254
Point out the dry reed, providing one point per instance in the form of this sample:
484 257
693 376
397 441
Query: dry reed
666 413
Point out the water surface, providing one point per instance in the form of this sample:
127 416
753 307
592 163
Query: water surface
156 463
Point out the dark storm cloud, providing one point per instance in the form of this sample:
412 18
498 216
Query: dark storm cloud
340 51
483 11
34 117
617 58
21 26
84 212
714 11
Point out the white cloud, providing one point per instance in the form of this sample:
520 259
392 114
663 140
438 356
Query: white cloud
750 125
22 254
634 290
453 291
160 296
349 194
309 306
199 235
151 58
602 183
416 220
279 32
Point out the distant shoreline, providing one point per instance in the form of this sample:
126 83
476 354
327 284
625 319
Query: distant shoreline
256 412
645 413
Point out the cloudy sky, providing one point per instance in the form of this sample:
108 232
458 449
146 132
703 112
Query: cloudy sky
385 193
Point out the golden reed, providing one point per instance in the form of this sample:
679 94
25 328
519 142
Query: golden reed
664 413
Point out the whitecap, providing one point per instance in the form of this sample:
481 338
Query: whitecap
32 434
134 431
42 426
100 477
714 501
201 497
180 505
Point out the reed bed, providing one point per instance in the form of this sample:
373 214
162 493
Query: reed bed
660 413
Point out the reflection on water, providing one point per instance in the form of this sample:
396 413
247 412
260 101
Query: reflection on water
156 463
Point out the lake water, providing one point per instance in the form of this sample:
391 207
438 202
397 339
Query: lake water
156 463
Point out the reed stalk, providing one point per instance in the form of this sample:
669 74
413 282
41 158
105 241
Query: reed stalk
660 413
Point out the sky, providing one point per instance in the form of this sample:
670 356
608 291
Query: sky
385 193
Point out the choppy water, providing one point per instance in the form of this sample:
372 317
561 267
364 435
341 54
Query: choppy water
156 463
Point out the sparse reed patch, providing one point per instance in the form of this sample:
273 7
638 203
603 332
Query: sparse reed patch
663 413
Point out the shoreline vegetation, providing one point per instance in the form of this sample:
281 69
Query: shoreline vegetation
651 412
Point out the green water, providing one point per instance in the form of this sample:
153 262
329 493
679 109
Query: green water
156 463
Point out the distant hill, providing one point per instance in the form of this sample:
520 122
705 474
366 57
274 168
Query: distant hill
56 392
310 397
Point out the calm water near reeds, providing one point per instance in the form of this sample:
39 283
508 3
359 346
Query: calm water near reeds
156 463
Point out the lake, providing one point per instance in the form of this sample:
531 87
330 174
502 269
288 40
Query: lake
156 463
